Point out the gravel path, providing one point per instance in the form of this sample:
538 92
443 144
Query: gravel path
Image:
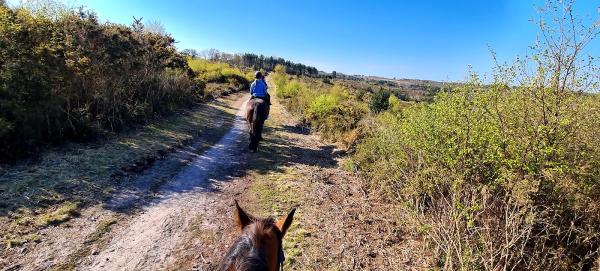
164 223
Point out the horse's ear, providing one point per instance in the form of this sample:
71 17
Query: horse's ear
241 218
284 223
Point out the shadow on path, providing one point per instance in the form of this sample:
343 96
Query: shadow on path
226 159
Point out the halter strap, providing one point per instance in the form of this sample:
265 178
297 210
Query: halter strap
281 257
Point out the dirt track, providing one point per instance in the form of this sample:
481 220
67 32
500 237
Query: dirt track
141 226
174 217
163 224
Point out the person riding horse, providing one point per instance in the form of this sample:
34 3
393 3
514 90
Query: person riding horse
257 110
259 89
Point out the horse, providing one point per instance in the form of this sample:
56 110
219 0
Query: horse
257 111
259 246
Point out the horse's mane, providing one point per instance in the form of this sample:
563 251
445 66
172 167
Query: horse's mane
245 254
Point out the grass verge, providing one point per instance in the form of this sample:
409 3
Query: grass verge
53 188
93 239
337 226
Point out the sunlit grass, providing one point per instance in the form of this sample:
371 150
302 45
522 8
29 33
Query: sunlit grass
51 190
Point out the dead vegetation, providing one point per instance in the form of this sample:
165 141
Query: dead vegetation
55 188
337 226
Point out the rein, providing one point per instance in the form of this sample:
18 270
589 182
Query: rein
281 256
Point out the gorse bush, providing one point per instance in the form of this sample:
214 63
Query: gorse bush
322 106
395 104
380 101
216 72
64 75
501 176
339 123
279 77
331 110
291 89
213 74
486 159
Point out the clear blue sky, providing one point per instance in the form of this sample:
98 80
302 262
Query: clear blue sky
405 39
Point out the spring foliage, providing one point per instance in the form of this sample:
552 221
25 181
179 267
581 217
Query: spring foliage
502 175
380 101
331 110
64 75
213 75
506 175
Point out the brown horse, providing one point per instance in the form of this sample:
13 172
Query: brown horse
257 111
260 245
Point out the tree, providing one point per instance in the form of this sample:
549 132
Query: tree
190 52
280 69
254 61
155 26
380 101
211 54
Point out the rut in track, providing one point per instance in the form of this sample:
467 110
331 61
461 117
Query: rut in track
151 236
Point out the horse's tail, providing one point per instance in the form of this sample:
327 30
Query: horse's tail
256 124
256 112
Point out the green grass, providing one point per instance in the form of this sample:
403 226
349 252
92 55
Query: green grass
18 241
65 212
219 77
293 242
199 232
102 228
274 190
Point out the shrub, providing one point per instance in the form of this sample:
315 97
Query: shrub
333 113
331 110
291 89
280 79
485 158
64 76
212 73
340 122
322 106
396 104
502 176
379 101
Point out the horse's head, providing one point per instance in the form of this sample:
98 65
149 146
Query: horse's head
260 245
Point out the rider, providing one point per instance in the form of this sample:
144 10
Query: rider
258 89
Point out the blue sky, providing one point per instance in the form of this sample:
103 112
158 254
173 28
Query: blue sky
435 40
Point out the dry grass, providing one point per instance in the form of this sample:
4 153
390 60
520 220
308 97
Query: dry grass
336 226
65 212
51 189
97 238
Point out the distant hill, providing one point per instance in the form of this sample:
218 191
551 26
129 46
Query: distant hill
405 89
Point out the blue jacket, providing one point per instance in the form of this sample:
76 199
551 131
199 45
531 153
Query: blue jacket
259 88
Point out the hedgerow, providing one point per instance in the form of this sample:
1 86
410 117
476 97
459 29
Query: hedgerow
66 76
504 175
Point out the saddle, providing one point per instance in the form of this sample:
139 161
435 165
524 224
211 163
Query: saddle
265 98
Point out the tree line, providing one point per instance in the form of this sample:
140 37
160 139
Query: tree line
253 61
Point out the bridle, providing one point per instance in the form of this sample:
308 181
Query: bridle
281 255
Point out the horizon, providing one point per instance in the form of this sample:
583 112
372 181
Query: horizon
127 143
347 37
